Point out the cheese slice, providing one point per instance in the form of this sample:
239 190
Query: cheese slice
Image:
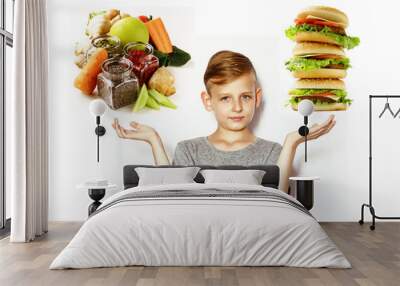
322 19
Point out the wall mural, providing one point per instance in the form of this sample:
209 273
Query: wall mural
124 61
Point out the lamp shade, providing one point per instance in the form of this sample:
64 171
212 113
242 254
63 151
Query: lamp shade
97 107
306 107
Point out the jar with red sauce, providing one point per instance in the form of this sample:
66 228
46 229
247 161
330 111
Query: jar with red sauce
144 62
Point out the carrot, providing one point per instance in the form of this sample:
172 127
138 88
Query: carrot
87 79
159 35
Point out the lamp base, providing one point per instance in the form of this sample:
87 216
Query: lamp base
100 130
303 130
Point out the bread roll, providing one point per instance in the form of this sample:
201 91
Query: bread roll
315 37
325 107
309 48
320 83
327 13
321 73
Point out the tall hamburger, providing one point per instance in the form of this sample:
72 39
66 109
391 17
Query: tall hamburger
326 94
324 25
318 60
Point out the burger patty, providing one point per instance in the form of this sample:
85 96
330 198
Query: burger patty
325 56
334 67
336 30
320 98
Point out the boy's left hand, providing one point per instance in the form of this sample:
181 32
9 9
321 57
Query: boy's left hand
316 130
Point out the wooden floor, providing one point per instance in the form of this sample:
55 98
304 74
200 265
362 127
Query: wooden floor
374 255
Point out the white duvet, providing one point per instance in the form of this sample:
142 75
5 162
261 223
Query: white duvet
200 231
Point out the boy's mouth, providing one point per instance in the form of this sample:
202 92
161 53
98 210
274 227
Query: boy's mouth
236 118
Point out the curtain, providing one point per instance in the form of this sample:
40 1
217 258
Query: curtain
26 123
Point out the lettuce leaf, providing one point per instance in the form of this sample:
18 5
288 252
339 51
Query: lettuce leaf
306 64
295 100
343 40
310 91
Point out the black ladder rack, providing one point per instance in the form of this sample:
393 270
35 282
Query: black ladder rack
369 205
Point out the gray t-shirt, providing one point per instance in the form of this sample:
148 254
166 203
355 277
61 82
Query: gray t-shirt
199 151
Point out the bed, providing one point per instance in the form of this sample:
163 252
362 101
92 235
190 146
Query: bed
201 224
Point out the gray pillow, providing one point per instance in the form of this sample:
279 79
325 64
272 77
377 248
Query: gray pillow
162 176
249 177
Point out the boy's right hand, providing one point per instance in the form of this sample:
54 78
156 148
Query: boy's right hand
139 132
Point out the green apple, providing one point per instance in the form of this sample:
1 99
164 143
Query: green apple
129 30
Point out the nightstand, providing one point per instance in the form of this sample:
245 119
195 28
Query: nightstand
304 191
96 193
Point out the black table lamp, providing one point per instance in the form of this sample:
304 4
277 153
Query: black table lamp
97 108
305 107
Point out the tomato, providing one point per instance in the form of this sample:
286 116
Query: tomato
316 22
143 18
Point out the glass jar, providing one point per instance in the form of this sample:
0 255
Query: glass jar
116 84
144 62
112 44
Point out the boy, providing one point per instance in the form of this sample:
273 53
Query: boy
233 95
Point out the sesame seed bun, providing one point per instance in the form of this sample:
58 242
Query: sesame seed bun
324 12
321 73
315 37
325 107
320 83
310 48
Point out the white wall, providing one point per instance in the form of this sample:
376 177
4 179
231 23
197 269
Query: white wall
255 28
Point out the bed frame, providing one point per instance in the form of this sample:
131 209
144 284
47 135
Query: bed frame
270 179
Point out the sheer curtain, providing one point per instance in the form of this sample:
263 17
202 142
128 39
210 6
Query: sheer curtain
26 123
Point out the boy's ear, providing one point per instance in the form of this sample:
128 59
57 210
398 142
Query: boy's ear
258 97
206 98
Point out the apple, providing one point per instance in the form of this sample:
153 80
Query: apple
129 30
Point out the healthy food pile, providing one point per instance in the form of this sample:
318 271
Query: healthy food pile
319 62
125 61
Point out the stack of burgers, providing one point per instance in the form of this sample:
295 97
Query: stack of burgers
319 62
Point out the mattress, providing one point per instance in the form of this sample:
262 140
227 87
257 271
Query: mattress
201 225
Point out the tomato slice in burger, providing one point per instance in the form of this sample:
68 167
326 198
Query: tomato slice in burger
316 22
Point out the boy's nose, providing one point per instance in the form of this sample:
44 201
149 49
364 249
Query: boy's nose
237 106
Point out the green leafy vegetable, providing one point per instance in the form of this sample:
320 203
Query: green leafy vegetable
305 64
311 91
163 59
343 40
177 58
295 100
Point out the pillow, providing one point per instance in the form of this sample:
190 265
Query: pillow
249 177
162 176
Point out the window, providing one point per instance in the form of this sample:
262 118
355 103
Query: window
6 44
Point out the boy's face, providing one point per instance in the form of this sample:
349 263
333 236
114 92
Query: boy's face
234 103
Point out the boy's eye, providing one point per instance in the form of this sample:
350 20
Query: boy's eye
225 98
247 97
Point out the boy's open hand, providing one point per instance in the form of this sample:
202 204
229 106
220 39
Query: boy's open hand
139 132
316 130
